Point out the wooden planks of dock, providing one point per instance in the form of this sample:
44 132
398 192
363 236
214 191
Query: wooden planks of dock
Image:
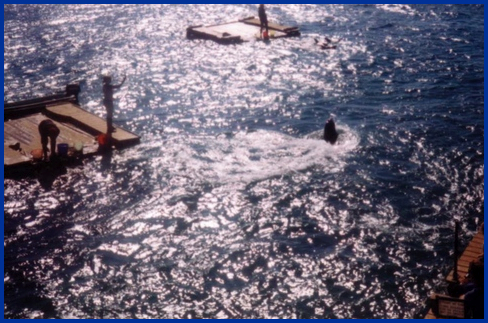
89 122
288 30
470 254
24 131
21 134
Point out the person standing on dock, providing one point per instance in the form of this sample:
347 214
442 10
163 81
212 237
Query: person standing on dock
48 130
108 102
474 297
263 18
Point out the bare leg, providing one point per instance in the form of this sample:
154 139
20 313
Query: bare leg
110 112
44 148
53 147
109 131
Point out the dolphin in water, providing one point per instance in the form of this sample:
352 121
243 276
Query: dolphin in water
327 43
330 133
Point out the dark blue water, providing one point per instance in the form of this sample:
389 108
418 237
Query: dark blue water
232 207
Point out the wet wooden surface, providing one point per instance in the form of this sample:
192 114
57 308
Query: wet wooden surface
455 308
242 30
271 25
25 132
430 315
471 253
245 31
21 135
89 121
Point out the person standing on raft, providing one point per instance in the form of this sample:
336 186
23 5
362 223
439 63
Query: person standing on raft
48 130
263 18
108 102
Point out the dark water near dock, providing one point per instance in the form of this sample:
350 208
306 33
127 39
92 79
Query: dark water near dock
231 207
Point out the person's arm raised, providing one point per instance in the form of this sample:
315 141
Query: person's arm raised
122 83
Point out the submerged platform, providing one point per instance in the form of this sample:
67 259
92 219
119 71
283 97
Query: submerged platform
239 31
78 127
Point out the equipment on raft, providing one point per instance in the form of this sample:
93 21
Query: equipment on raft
102 140
37 154
78 147
63 149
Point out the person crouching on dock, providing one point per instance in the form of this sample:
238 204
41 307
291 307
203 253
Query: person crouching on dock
48 130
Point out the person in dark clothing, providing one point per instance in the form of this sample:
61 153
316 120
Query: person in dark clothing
474 297
263 18
108 102
48 130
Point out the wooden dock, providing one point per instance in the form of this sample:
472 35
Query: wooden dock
83 120
239 31
472 251
453 307
77 126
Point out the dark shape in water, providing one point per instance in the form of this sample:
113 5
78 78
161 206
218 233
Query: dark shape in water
330 133
327 43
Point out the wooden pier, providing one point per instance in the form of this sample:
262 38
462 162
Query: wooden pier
77 127
239 31
444 306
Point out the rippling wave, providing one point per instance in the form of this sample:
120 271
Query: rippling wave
232 206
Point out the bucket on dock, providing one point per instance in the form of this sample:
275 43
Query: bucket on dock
63 149
78 147
102 140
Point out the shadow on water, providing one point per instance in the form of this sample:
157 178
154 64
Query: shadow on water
49 172
106 161
26 296
16 303
45 172
23 294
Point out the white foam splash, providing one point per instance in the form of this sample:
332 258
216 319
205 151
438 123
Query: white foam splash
397 8
245 157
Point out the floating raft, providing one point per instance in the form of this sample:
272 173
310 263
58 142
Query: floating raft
239 31
471 253
21 134
454 305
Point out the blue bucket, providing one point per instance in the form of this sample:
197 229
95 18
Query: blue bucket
63 149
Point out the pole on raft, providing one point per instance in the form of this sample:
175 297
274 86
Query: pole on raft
455 276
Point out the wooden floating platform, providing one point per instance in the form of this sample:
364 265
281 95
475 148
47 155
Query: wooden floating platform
454 306
77 126
472 251
239 31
